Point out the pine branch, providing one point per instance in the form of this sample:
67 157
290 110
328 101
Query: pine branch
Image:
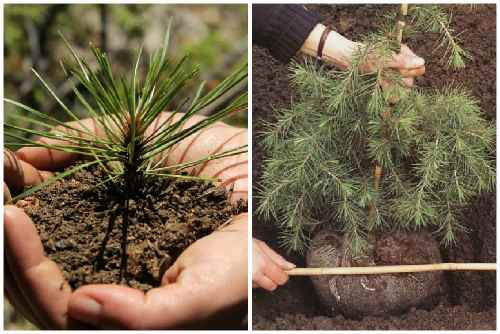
432 18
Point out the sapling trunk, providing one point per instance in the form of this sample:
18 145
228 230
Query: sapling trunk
400 24
124 257
133 179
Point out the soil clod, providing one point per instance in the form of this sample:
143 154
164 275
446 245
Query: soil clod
356 296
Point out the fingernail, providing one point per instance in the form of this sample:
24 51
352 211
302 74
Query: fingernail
290 266
85 309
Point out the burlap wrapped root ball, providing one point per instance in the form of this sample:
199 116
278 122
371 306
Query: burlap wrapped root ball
355 296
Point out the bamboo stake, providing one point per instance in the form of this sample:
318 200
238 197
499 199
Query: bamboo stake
375 270
399 30
378 175
404 9
400 24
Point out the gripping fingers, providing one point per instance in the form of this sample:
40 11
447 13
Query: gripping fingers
19 174
51 159
275 273
415 72
406 59
278 259
264 282
13 171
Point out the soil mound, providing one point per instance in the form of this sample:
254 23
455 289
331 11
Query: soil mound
80 226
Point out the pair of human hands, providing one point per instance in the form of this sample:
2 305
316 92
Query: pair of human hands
209 277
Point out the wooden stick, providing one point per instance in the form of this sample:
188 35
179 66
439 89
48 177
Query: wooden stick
401 24
399 31
399 36
374 270
404 9
377 173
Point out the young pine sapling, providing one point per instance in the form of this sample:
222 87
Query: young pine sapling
350 155
126 142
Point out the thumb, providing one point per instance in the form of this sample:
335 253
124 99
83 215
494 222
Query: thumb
113 306
171 274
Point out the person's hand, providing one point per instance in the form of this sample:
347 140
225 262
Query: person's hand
34 284
209 276
268 267
339 52
406 62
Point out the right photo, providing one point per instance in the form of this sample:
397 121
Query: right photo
374 167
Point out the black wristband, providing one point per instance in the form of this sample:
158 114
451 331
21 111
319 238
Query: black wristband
322 41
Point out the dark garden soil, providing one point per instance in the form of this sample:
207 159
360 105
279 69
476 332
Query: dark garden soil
80 226
468 301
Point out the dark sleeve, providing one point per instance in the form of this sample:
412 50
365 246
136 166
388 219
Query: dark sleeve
282 28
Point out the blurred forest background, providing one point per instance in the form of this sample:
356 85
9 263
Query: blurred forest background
214 35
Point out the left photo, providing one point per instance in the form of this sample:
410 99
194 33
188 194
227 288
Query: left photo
125 166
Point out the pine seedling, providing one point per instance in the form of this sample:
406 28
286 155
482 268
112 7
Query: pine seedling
350 155
126 142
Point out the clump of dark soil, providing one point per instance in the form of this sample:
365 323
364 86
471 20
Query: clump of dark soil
80 224
356 296
470 299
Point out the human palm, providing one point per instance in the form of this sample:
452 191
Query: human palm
205 279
